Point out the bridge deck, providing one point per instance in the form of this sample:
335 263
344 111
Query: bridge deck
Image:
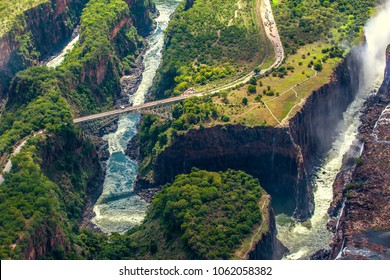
134 108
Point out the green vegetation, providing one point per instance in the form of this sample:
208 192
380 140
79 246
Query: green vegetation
213 211
358 161
211 42
282 91
39 96
302 22
156 134
40 202
201 215
308 30
11 9
43 196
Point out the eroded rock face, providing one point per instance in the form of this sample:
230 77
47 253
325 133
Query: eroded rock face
313 127
266 153
47 26
364 226
140 15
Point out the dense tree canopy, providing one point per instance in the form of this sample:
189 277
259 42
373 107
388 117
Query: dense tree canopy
201 215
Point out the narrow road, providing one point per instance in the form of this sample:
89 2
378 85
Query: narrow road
8 165
272 34
272 31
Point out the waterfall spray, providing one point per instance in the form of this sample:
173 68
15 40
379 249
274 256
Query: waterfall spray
304 239
377 35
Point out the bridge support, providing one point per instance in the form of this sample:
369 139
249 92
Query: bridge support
94 127
163 111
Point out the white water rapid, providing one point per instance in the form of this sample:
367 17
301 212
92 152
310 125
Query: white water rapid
304 239
56 60
119 208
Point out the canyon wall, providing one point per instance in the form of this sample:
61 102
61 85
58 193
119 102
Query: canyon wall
140 11
266 153
41 30
313 127
69 161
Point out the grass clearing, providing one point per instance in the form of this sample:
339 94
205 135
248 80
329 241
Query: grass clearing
285 93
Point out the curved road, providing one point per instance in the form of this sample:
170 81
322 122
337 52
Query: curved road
272 34
8 165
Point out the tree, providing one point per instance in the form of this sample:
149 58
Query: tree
245 101
318 66
252 88
225 118
253 81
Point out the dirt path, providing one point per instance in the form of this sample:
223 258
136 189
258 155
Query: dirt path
219 38
258 230
235 13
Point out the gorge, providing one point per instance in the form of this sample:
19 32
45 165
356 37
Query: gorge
287 160
203 184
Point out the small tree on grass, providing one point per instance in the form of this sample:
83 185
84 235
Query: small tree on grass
251 88
253 81
225 118
318 66
245 101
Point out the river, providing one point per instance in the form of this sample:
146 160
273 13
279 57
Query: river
57 59
305 238
119 208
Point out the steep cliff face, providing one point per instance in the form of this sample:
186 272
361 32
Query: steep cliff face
41 30
70 162
141 14
313 127
362 229
265 153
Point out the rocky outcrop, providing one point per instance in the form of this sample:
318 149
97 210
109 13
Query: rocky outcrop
362 228
48 239
42 30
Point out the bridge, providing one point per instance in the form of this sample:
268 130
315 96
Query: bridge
154 107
